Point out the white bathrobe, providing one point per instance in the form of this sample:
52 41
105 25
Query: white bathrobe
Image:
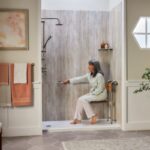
98 91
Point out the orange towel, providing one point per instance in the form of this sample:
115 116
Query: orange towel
21 93
4 74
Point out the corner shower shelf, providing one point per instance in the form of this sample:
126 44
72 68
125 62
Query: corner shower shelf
104 49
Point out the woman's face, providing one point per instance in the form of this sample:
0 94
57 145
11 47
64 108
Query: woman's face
91 68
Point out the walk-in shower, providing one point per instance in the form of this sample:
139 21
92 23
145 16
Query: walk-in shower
67 50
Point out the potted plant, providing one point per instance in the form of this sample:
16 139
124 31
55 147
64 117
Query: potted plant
145 85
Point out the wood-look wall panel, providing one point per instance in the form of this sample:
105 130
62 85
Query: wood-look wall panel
68 53
115 38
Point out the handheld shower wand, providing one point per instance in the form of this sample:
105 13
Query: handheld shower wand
44 45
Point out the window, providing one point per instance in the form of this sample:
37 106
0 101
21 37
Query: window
142 32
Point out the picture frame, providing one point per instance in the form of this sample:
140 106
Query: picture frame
14 29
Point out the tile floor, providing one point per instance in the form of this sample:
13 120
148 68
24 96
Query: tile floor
53 141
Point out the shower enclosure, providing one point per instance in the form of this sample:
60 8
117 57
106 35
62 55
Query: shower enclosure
66 52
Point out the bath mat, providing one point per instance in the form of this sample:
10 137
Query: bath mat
142 143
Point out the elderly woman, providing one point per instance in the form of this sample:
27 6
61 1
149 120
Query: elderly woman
95 78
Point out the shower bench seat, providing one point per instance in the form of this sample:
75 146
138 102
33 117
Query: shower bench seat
110 101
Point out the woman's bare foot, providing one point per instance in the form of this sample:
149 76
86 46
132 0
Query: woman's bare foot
93 120
75 121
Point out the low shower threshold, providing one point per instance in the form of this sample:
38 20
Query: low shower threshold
60 126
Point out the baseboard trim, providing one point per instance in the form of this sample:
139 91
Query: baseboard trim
137 126
22 131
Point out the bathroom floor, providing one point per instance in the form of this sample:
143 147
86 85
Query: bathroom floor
53 141
53 126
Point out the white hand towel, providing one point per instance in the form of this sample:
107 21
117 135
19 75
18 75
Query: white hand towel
20 73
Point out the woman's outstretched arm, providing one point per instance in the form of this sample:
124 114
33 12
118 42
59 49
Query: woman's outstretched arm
80 79
77 80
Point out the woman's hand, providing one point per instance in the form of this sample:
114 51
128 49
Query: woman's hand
66 82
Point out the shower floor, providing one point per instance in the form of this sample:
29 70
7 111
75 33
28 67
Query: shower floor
53 126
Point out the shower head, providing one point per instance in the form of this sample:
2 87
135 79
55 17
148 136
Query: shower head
57 19
43 21
59 24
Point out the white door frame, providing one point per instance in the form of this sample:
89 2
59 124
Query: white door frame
124 65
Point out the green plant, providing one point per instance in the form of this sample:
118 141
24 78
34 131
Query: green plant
145 85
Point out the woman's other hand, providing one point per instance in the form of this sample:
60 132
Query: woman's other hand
66 82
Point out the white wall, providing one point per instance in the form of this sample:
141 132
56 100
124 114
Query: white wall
27 120
136 108
97 5
143 55
23 121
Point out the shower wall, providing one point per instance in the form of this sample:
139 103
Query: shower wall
115 39
68 52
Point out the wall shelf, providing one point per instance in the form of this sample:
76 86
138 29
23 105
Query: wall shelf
104 49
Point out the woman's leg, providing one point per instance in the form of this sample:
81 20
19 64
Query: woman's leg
87 106
79 110
84 104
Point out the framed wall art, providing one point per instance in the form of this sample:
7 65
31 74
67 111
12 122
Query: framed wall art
14 29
